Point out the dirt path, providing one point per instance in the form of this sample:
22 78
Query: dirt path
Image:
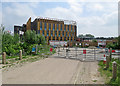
54 71
87 73
46 71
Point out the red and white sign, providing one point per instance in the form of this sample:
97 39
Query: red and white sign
104 59
51 49
84 51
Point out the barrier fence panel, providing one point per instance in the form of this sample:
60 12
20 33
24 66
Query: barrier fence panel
83 54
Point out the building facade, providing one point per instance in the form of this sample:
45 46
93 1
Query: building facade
51 29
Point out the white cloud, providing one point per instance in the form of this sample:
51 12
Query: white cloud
95 7
17 13
112 19
99 25
104 24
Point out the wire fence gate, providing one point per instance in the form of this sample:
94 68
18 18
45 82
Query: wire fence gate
83 54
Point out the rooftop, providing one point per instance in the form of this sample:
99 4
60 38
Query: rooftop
71 22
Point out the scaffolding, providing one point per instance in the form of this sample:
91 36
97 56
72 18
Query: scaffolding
67 22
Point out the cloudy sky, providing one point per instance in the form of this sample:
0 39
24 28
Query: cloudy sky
97 18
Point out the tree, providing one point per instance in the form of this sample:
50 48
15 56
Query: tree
16 38
32 38
118 42
89 35
94 40
81 36
1 39
86 36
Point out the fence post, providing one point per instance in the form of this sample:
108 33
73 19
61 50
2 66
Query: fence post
4 58
76 51
114 70
94 54
107 61
110 54
66 53
20 55
119 74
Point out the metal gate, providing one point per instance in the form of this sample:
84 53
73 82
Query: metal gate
83 54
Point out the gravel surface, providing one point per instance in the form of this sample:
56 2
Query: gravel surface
54 71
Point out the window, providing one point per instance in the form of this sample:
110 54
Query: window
40 25
45 25
57 26
51 33
68 38
64 27
63 33
71 38
45 37
69 33
47 32
55 33
49 26
53 26
68 27
71 27
59 33
61 26
61 38
65 39
66 33
53 37
73 34
57 38
74 28
49 38
43 32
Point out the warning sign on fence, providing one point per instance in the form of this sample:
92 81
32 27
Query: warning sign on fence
84 51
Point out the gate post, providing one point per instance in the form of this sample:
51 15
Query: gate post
58 50
4 58
84 53
20 55
94 54
107 61
110 54
66 53
76 51
114 64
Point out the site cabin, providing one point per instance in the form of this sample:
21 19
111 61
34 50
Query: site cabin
58 43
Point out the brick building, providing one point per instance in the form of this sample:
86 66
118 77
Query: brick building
51 29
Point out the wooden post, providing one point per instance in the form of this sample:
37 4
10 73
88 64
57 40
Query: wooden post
20 55
107 61
114 70
119 74
94 55
4 58
110 54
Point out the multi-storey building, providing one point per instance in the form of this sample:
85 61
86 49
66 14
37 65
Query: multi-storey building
51 29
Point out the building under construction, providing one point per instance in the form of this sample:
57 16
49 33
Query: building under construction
51 29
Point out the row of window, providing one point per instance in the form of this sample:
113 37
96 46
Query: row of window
61 25
57 38
43 32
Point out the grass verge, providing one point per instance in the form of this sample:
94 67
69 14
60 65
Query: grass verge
107 73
